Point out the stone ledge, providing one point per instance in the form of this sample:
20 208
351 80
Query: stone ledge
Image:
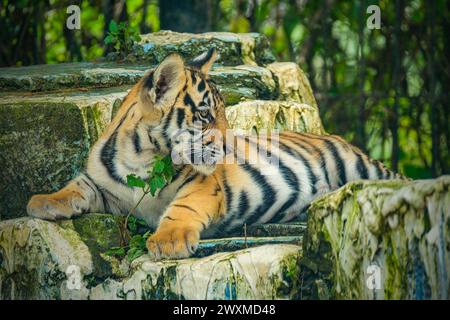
281 115
400 227
232 48
36 258
244 81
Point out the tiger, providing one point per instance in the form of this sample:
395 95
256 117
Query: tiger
204 198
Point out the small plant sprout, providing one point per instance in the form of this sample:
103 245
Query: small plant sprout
159 176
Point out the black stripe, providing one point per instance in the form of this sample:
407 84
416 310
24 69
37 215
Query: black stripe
166 126
228 195
188 101
377 166
180 117
340 166
298 141
193 78
108 152
188 180
268 193
243 205
201 86
154 142
102 196
90 187
148 82
294 153
137 141
361 167
289 177
185 207
293 182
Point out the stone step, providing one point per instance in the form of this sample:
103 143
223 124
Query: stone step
277 229
46 260
284 81
232 48
212 246
235 83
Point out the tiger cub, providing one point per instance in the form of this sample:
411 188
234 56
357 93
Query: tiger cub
208 196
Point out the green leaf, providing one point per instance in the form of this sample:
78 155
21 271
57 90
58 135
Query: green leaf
116 252
157 182
146 235
132 225
137 241
141 222
135 253
134 181
113 26
109 39
159 167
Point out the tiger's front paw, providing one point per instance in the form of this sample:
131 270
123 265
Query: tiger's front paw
56 206
172 241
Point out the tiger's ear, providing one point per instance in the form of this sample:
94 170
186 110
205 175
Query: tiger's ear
166 81
204 61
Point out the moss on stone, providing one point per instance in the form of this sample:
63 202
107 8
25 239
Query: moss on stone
43 146
387 224
232 48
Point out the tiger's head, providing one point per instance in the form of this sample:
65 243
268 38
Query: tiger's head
186 111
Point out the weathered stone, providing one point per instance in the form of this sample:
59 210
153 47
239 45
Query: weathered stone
35 254
211 246
45 141
234 83
292 83
69 76
401 229
244 82
282 115
66 260
276 229
233 48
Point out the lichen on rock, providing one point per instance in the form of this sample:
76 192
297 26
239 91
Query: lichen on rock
232 48
38 259
257 115
398 228
292 83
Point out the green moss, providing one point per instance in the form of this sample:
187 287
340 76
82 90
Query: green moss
99 232
160 288
43 146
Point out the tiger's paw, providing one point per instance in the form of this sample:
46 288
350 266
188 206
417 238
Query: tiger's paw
51 207
172 241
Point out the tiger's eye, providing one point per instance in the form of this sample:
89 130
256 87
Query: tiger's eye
204 113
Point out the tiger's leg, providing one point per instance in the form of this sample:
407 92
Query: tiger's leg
194 208
81 195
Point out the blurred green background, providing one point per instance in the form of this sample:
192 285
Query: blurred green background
385 90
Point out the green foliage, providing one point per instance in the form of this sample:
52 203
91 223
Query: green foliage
160 174
122 37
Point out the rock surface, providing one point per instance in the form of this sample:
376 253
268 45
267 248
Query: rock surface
256 115
232 48
67 260
380 240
